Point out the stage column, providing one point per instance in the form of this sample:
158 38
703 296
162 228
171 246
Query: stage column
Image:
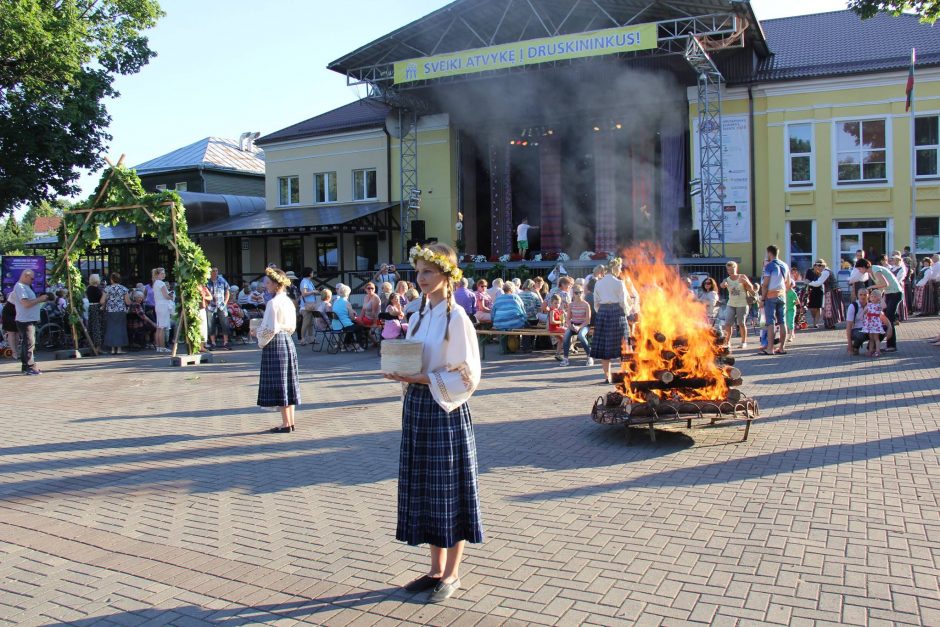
642 175
550 183
605 194
501 227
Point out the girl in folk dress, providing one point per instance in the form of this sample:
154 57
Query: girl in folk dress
393 326
438 500
875 322
278 386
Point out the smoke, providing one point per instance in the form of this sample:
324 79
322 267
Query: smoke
635 107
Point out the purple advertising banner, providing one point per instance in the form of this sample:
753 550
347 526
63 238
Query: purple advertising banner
13 267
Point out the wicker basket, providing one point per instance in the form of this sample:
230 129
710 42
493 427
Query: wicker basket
402 357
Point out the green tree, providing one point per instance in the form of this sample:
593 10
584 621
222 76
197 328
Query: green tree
13 236
58 60
928 10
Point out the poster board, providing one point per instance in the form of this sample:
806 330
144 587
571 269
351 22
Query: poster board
736 167
13 266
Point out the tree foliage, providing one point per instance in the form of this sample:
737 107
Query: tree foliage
928 10
58 60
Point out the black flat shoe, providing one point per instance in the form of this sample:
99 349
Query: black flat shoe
422 584
293 428
280 430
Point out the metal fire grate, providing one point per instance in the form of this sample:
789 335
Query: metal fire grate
614 409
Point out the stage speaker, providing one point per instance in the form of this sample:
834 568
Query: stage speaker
417 230
685 242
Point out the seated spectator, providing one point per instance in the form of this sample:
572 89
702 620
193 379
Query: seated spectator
401 288
532 303
496 288
238 321
244 295
371 307
414 301
256 299
484 303
325 306
140 327
345 320
385 290
508 313
465 298
394 328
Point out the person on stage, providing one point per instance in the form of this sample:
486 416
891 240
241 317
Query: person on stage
522 236
279 386
438 497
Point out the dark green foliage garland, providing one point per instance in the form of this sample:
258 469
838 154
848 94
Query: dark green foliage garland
190 271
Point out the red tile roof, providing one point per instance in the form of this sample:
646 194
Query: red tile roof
47 225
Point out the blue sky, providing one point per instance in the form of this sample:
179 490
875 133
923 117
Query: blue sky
228 66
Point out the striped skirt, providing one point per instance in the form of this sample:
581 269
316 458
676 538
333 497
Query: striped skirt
833 310
278 385
438 497
610 329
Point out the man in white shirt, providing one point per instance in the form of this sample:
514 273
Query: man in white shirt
522 236
858 278
27 316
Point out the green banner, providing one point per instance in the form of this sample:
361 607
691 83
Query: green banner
592 44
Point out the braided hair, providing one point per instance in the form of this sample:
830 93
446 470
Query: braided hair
447 251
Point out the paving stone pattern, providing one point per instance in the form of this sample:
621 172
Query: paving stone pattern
133 493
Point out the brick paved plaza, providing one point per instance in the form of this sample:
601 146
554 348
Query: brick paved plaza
134 493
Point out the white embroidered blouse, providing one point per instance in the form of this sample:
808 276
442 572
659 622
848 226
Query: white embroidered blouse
279 315
453 366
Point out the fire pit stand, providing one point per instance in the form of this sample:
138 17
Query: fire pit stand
614 409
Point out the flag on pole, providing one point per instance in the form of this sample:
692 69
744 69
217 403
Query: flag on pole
910 80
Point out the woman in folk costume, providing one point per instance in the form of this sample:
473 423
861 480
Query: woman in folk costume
438 499
278 386
614 301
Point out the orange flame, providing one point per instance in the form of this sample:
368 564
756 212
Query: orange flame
671 334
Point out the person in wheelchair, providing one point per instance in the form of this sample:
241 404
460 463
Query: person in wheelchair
237 319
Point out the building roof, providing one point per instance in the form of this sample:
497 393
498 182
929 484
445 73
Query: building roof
362 114
305 219
46 224
209 153
840 43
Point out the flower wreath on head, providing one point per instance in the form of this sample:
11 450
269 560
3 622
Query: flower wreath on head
446 265
278 278
615 261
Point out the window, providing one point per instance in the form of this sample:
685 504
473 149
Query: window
324 187
800 151
861 153
364 185
180 187
288 190
927 234
926 143
327 256
292 254
802 249
367 252
161 187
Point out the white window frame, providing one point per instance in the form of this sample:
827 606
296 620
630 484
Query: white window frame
181 187
787 243
801 185
936 147
889 154
326 188
161 187
925 251
280 199
365 184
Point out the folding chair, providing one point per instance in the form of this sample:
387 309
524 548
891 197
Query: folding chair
327 336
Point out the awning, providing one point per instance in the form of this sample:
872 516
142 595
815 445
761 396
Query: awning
352 217
118 234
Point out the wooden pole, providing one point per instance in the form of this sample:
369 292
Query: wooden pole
183 319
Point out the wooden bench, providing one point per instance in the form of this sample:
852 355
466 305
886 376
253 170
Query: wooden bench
484 334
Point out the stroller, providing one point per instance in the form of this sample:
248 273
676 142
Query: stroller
802 304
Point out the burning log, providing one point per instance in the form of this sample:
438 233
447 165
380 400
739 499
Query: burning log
677 382
733 383
728 361
731 372
659 337
668 355
735 396
652 399
665 376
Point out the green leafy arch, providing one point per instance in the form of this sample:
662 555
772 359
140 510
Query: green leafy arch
120 196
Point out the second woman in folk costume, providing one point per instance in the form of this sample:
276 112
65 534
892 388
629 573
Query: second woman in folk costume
438 499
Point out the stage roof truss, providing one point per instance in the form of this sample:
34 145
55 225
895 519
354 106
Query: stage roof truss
717 30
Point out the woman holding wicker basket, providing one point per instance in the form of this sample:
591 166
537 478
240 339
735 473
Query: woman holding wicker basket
279 386
438 499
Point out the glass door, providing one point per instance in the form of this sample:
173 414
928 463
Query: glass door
875 244
849 242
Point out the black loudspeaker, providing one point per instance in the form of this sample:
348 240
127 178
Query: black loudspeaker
417 230
685 242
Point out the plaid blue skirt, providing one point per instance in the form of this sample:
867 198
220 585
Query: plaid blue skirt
278 385
610 327
438 499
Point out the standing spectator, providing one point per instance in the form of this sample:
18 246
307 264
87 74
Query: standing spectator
386 274
739 287
204 300
816 278
308 304
114 299
610 328
464 297
217 309
708 296
278 384
775 282
858 278
163 308
900 272
28 307
925 300
95 311
888 283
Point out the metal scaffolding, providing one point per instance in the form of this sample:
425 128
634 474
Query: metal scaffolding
711 173
408 173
